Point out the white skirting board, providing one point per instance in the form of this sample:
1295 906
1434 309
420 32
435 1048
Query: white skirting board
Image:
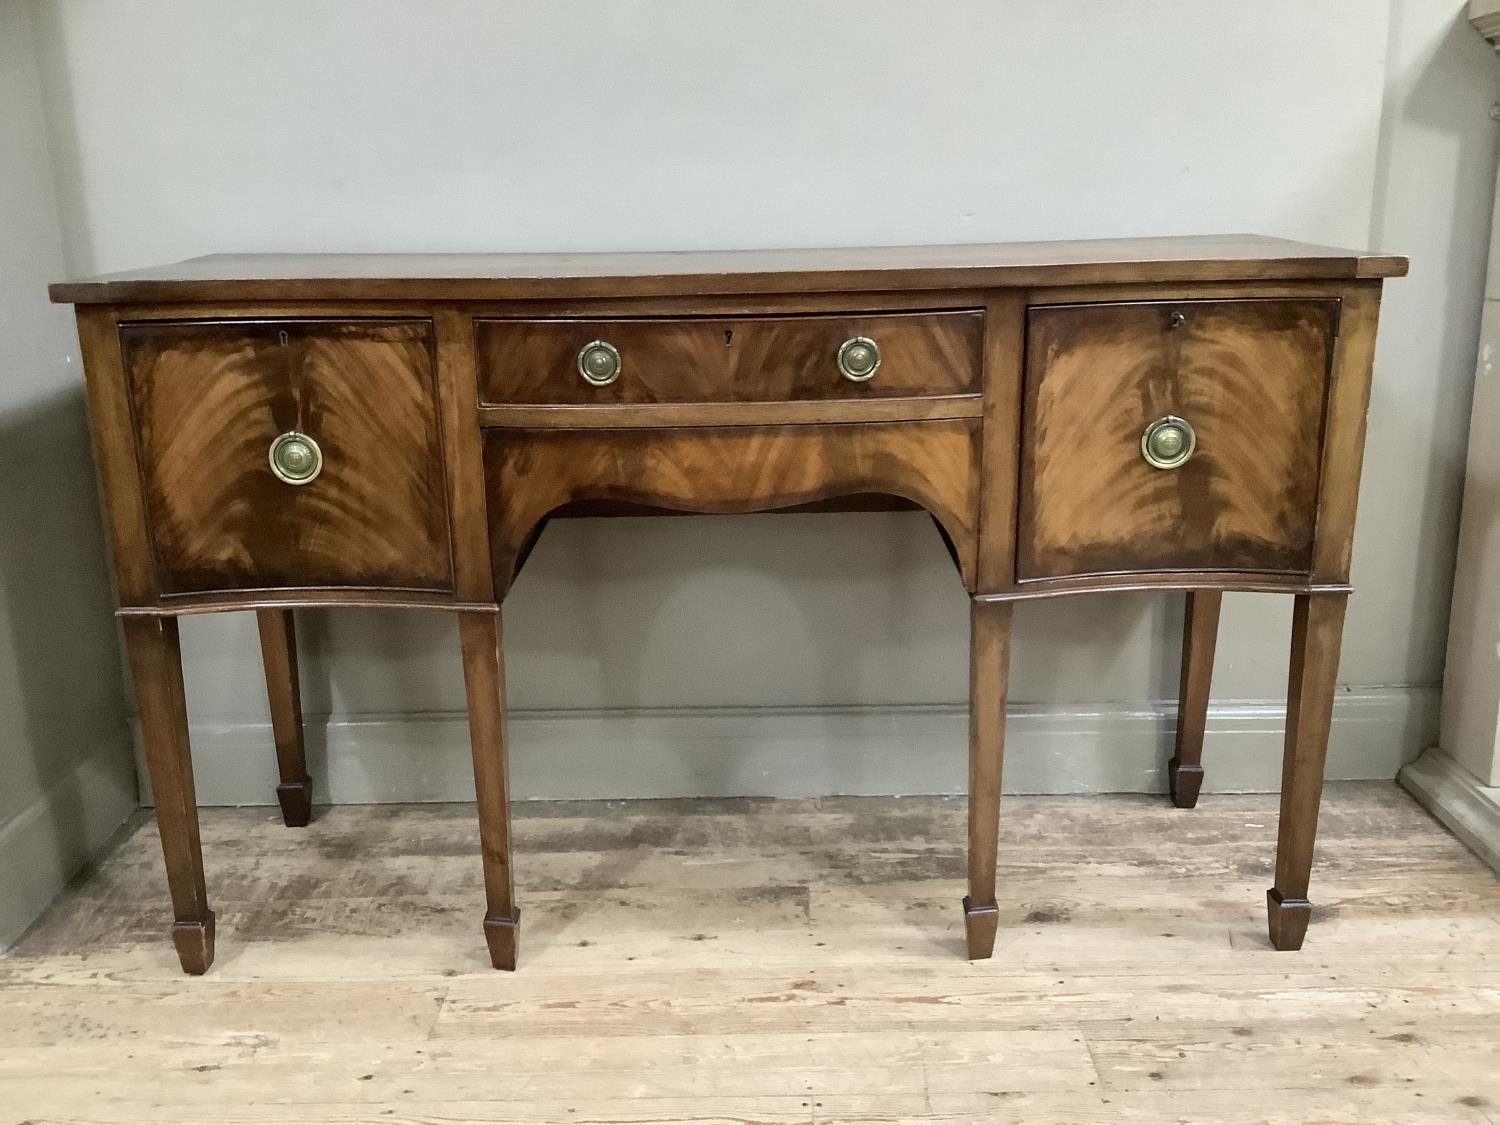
800 751
52 836
1469 809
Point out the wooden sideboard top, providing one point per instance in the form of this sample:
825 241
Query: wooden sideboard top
338 277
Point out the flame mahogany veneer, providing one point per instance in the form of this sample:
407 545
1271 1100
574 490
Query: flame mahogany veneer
278 431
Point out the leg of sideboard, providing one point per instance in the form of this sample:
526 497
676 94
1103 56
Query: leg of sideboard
1200 629
278 650
1317 631
484 681
156 668
989 671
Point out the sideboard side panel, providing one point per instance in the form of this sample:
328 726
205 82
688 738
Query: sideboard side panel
114 453
1344 440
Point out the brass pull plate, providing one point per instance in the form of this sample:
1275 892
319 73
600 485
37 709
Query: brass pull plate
599 363
859 359
1168 442
296 458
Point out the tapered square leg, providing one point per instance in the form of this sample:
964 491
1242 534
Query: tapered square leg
980 925
295 799
1200 632
155 655
989 671
1317 633
195 945
504 938
1286 920
1184 782
484 682
278 650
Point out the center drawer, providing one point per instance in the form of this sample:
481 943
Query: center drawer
848 356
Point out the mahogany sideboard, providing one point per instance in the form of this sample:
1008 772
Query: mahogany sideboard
281 431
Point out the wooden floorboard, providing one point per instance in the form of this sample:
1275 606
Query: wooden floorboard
791 962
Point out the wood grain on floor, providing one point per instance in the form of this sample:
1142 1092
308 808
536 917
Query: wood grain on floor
777 961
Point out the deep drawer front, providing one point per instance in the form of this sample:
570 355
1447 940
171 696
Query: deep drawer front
1248 377
209 399
748 359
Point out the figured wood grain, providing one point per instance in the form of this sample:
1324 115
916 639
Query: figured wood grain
530 473
1250 377
478 277
209 398
731 359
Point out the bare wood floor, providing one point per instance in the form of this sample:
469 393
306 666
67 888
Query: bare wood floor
772 961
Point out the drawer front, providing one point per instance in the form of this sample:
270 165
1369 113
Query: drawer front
210 398
746 359
1248 377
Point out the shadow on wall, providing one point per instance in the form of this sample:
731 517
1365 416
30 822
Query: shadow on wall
63 703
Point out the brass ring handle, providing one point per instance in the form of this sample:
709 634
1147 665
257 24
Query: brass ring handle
295 458
599 363
859 358
1168 442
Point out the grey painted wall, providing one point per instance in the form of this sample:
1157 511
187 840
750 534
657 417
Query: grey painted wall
182 128
66 775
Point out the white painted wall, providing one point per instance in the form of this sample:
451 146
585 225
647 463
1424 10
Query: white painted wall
1458 780
1470 729
180 128
1434 195
66 778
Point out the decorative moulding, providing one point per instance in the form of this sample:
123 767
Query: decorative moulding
1470 809
800 751
1485 16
